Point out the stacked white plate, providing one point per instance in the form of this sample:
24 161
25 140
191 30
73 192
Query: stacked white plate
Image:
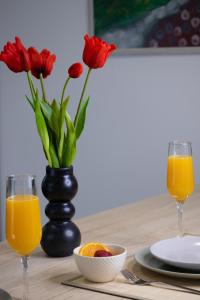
176 257
182 252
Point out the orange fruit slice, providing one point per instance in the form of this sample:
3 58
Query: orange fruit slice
89 249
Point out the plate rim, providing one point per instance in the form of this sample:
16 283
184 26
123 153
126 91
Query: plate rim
176 274
171 261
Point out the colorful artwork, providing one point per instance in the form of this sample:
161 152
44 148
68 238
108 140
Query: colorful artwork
148 23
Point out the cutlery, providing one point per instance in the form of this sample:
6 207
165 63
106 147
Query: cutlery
138 281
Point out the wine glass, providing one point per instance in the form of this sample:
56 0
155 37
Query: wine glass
180 177
23 224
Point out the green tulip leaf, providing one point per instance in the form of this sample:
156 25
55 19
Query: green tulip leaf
69 152
63 109
50 114
81 118
53 154
30 102
53 148
54 105
55 118
47 110
42 128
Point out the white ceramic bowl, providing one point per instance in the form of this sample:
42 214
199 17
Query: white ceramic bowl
101 269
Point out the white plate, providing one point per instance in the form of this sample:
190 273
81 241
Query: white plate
147 260
182 252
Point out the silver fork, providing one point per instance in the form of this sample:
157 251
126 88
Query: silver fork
136 280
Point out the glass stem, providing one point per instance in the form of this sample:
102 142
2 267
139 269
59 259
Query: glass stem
24 261
179 206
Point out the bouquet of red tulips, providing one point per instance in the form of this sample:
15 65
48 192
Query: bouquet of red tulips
58 132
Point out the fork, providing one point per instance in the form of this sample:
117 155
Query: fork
136 280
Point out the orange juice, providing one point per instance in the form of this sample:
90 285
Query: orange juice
23 224
180 178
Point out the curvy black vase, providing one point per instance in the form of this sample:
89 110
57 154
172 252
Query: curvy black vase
60 235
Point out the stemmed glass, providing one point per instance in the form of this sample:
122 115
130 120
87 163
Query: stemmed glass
23 224
180 177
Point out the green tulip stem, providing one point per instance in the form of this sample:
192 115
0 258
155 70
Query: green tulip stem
43 89
31 86
64 88
82 95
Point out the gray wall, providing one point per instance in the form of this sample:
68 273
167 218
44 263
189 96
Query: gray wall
138 104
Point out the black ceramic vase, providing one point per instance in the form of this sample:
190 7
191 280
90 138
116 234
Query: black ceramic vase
60 235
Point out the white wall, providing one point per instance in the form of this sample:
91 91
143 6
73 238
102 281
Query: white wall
138 104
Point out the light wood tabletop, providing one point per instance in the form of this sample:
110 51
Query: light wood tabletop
133 225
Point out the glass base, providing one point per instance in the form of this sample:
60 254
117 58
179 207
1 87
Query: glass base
4 295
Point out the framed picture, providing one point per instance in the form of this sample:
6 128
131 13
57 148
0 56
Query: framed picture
147 26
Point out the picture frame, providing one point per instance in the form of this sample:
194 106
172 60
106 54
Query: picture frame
112 36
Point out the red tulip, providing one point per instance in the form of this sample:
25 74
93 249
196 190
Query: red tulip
15 56
41 63
96 52
75 70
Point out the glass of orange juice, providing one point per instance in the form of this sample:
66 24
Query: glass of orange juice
23 223
180 175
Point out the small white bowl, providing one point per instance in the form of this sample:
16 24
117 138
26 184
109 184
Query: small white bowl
101 269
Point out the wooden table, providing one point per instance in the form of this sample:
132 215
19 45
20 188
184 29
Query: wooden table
134 225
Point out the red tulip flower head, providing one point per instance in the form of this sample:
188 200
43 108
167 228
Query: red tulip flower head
96 52
41 63
75 70
15 56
